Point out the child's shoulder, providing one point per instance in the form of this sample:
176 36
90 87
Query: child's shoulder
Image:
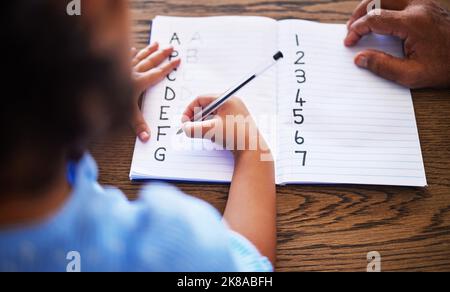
168 230
157 205
168 201
161 221
187 217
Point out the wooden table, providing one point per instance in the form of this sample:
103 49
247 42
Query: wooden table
326 228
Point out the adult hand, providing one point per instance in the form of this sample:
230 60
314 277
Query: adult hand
423 25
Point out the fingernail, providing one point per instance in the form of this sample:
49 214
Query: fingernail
349 39
352 38
144 136
362 61
346 42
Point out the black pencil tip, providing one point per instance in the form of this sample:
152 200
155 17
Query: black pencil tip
278 56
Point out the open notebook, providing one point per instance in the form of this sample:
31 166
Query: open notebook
326 120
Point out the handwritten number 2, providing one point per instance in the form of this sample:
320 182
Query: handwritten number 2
300 56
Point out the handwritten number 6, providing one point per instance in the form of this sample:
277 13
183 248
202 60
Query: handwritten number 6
299 139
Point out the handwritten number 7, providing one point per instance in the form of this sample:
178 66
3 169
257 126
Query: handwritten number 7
304 156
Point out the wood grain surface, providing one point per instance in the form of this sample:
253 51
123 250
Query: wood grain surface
326 228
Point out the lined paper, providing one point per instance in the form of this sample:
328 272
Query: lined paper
216 54
358 128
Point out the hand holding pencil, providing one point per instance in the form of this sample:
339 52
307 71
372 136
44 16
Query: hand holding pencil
215 104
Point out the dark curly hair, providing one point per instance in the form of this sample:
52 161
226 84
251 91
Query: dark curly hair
57 93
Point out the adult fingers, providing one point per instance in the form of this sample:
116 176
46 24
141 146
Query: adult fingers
359 12
367 5
403 71
386 22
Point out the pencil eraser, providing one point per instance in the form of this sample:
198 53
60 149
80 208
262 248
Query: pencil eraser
278 56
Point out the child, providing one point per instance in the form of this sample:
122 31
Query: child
74 85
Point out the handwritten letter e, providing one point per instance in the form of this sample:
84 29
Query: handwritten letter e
74 265
74 8
374 259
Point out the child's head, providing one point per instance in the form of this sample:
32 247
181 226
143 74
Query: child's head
65 80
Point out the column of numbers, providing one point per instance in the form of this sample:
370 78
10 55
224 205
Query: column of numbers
299 103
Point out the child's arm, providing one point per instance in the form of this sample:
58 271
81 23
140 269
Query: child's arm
251 206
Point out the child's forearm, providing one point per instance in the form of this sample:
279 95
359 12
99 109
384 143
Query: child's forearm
251 207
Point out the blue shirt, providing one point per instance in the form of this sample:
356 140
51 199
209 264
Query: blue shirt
98 229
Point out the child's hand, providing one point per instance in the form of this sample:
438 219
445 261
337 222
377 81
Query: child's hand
147 72
231 127
251 205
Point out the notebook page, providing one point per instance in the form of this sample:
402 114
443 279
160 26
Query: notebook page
217 53
352 127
